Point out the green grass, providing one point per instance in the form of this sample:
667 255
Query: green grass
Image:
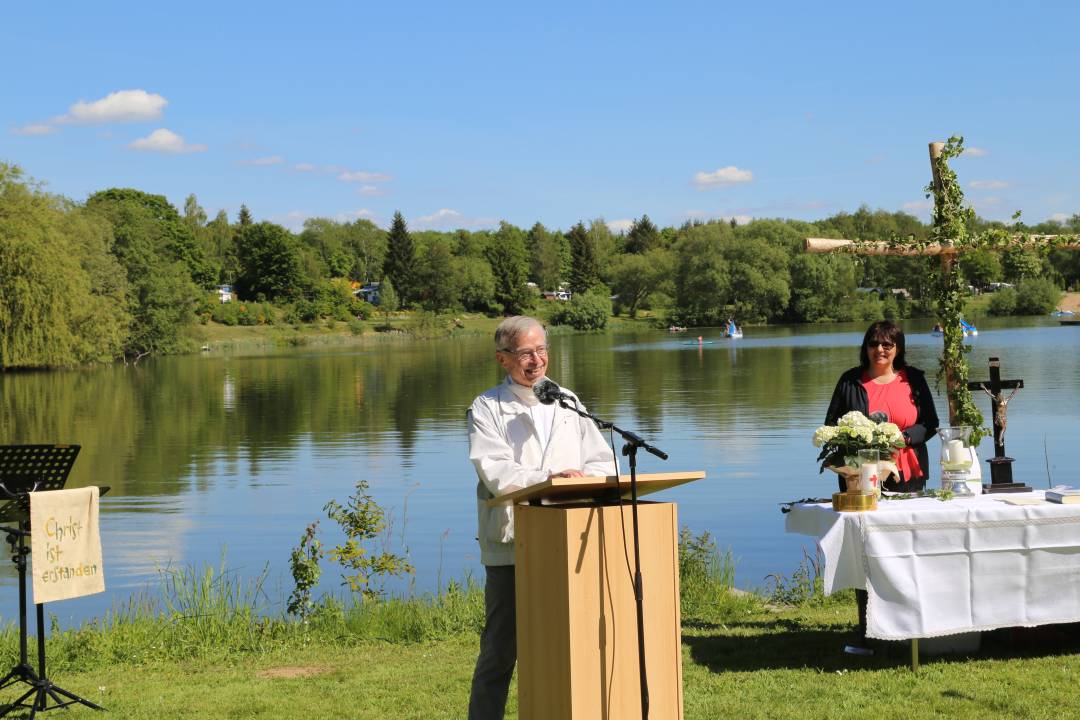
206 650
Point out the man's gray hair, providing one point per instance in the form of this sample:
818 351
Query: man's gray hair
513 327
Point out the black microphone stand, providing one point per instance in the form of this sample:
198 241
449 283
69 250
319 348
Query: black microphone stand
633 442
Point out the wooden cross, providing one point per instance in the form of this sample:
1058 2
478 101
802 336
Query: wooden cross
953 340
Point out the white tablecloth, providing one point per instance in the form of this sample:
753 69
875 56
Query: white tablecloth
933 568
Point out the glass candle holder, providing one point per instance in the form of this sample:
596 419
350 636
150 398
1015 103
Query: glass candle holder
955 455
868 471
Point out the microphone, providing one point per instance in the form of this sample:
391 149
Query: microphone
548 392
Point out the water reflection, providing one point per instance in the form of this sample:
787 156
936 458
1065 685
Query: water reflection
241 453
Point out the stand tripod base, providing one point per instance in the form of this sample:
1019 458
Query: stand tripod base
42 690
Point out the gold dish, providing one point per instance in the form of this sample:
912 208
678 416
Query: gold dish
854 501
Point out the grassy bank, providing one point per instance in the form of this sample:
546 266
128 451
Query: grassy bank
214 337
206 652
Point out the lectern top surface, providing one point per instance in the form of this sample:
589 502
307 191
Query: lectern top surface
584 488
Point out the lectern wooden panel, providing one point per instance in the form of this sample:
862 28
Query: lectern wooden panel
576 615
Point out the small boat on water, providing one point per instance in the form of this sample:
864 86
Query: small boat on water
676 328
1062 313
968 329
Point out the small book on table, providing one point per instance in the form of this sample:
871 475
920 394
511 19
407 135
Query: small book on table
1063 494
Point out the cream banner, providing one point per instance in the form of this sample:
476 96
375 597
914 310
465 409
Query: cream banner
65 544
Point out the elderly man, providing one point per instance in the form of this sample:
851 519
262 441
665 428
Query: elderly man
516 441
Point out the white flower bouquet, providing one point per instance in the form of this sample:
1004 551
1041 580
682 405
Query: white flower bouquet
840 444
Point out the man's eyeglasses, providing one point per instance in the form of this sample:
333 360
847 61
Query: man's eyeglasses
883 344
540 351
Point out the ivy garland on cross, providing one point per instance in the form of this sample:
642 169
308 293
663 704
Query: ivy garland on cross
950 235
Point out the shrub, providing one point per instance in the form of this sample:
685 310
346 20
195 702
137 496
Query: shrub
361 309
1036 296
1003 302
587 311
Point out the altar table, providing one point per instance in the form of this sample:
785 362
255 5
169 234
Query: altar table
934 568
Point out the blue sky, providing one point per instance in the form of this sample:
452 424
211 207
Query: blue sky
464 114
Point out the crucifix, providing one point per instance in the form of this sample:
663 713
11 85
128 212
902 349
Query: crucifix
1000 466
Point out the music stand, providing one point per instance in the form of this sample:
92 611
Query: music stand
25 469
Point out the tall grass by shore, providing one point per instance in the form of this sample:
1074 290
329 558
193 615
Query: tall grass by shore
212 614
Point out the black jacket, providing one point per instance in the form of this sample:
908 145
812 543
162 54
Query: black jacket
851 395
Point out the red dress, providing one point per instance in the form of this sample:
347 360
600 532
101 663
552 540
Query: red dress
896 401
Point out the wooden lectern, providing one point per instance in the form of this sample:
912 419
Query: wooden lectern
576 612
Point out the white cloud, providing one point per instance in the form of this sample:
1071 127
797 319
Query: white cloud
304 167
975 152
988 184
447 219
165 141
1060 217
722 177
264 161
351 215
363 176
619 226
122 106
370 191
33 129
987 202
917 206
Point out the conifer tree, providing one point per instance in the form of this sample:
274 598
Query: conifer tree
584 265
400 263
643 236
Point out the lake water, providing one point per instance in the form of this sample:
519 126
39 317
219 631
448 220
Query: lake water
233 455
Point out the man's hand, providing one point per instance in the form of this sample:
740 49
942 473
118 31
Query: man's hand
566 474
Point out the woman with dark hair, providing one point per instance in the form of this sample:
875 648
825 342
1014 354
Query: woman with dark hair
887 389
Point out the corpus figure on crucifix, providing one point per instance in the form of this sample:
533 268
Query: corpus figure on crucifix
1001 405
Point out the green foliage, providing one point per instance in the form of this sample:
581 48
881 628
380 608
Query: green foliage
388 299
437 280
701 277
363 520
1003 302
550 256
643 237
822 288
306 571
1036 296
634 278
156 250
981 267
64 297
584 263
476 283
269 260
951 220
706 578
510 269
804 587
399 265
585 311
242 313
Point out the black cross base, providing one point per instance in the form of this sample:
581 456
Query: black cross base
1001 477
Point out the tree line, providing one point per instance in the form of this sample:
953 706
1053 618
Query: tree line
126 274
